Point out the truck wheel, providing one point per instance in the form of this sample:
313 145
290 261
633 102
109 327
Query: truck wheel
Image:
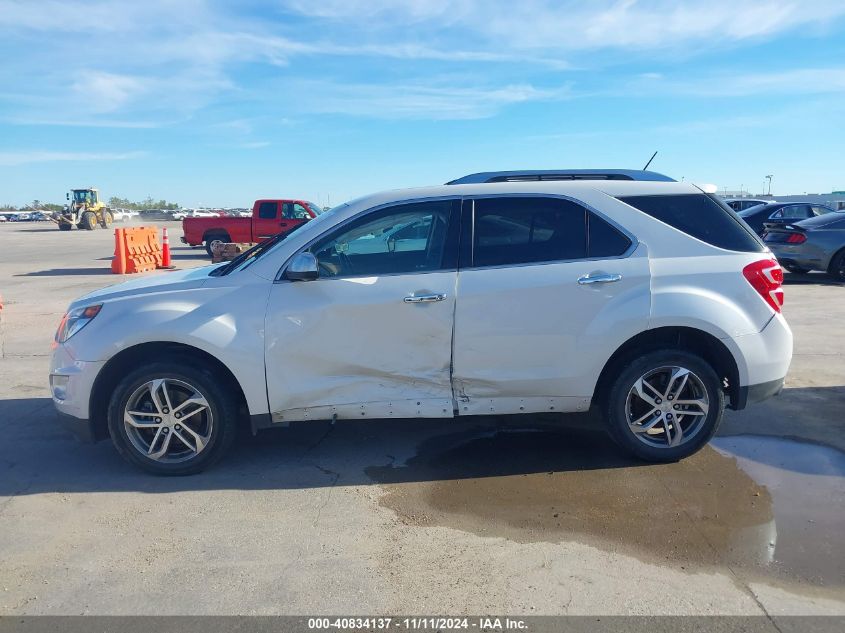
215 238
664 406
64 226
172 418
108 219
88 221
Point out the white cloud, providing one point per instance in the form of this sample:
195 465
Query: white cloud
575 24
8 159
421 101
803 81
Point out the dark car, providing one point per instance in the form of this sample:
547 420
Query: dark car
741 204
781 213
814 244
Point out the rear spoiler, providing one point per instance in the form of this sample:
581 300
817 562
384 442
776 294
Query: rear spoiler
784 228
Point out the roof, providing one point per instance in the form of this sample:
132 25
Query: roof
528 175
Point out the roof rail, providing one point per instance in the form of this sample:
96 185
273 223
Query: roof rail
533 175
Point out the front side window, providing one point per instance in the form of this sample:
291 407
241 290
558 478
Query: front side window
513 230
267 210
295 211
408 238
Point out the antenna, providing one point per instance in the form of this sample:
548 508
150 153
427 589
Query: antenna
649 161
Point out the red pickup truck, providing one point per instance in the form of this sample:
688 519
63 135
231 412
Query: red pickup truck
269 218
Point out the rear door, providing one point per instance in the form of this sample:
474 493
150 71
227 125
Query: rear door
547 290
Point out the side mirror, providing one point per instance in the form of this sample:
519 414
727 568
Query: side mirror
303 267
67 196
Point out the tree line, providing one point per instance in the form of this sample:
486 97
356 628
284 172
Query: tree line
115 202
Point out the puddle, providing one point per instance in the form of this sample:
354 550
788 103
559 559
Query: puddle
765 504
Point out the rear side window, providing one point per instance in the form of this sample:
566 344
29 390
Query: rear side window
526 230
268 210
702 217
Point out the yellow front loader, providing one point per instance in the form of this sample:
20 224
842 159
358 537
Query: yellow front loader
85 211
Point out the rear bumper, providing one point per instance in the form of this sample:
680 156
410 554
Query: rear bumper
763 360
757 393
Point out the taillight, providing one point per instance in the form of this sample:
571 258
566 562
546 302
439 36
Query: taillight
796 238
766 277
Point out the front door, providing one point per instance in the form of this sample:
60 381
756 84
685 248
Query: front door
547 290
372 336
267 222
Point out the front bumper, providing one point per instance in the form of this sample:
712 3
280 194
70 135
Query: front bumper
71 382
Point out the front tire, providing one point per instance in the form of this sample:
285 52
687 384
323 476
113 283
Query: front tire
88 221
108 219
664 406
172 418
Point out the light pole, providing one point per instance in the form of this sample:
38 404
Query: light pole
769 178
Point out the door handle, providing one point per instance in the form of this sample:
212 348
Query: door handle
604 278
424 298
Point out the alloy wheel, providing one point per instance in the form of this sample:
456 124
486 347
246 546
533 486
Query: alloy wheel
168 420
667 407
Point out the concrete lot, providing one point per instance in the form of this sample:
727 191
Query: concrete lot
481 516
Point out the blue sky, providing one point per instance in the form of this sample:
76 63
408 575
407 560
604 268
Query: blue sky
218 103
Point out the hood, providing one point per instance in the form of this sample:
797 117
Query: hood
149 284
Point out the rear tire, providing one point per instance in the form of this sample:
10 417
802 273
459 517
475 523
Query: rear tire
108 219
837 266
667 434
88 221
215 238
174 382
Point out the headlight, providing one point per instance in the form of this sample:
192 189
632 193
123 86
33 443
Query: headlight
75 320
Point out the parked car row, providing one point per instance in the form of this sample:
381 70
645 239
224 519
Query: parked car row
803 236
26 216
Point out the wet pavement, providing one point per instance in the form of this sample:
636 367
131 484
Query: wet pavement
767 506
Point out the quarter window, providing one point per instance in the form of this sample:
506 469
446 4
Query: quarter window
702 216
407 238
268 210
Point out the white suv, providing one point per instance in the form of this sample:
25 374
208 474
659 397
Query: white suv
503 293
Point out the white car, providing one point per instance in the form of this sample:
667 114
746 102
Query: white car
625 291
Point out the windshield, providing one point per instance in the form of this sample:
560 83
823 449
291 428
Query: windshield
83 196
247 258
316 208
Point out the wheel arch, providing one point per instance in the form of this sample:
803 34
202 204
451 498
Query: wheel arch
710 348
128 359
215 232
